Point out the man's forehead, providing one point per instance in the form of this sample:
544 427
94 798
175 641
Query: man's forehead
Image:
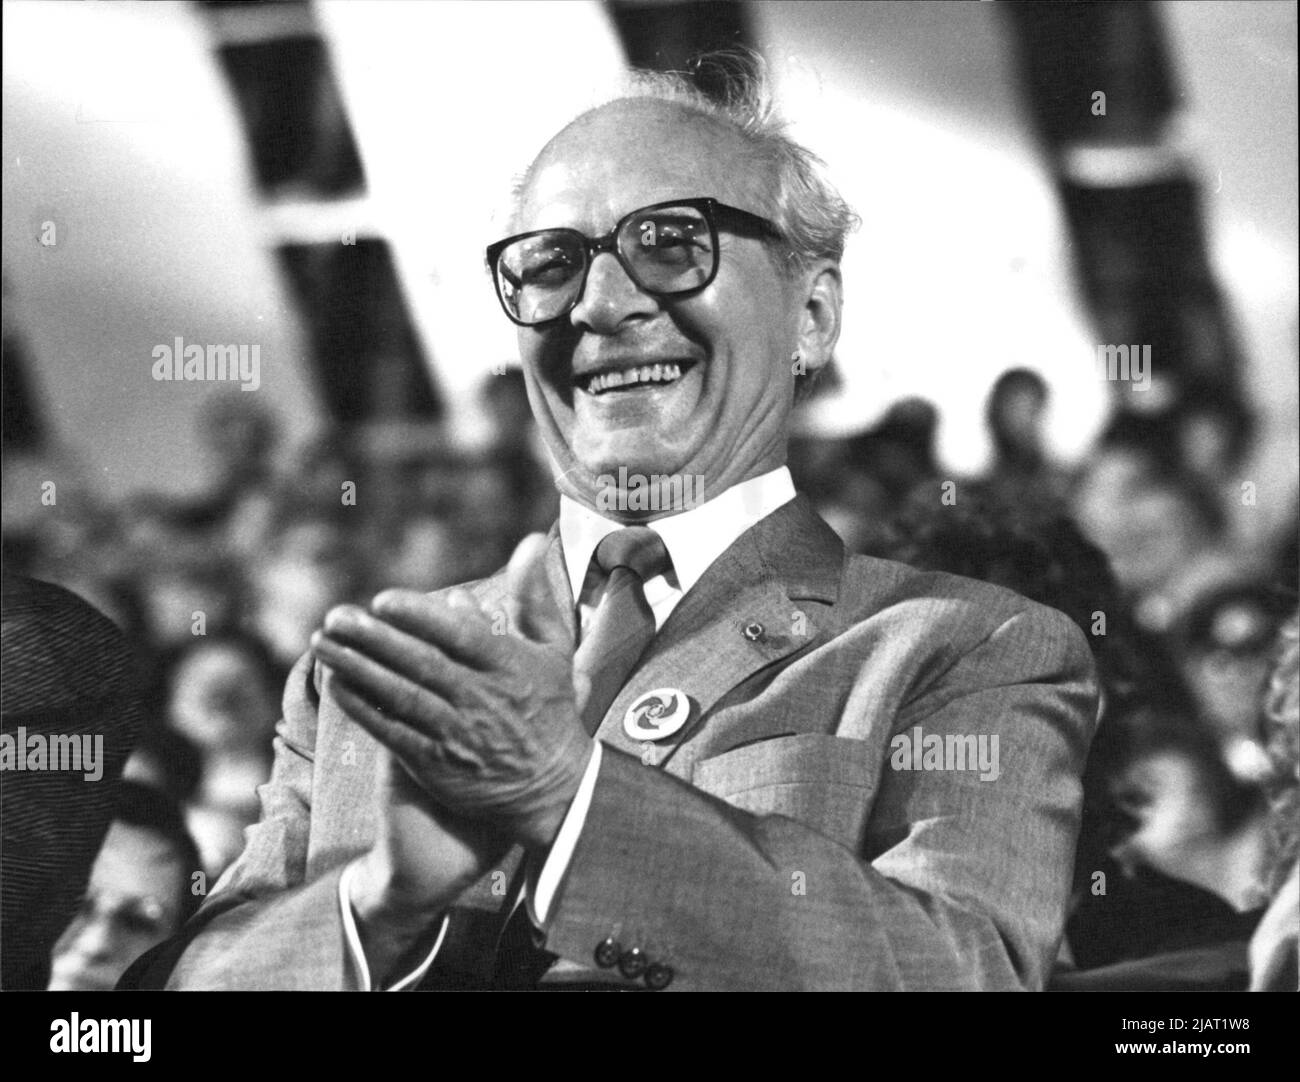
628 154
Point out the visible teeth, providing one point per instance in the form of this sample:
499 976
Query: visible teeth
650 373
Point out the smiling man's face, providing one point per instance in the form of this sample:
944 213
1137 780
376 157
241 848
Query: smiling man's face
718 407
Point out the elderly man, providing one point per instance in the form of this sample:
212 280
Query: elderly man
685 741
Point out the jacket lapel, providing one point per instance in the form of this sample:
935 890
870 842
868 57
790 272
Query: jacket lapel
749 610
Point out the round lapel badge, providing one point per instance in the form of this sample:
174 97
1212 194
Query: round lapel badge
657 714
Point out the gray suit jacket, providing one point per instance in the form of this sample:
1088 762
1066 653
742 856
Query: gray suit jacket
776 841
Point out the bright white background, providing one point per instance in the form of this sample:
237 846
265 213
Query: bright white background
117 123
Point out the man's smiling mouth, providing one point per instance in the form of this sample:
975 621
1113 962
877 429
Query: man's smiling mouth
632 377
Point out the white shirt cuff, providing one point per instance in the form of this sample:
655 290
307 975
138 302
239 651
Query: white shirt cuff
358 956
541 894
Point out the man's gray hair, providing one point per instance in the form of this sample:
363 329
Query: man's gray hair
812 216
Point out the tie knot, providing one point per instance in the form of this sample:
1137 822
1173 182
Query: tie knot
637 548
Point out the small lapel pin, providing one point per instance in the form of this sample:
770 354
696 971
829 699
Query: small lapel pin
657 714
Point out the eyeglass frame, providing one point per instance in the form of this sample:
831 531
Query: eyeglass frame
711 209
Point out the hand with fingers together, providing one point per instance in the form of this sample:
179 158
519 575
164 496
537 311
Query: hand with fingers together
483 726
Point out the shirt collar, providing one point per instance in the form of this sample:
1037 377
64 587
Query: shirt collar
694 538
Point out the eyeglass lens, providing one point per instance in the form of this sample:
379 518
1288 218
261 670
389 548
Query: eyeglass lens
666 250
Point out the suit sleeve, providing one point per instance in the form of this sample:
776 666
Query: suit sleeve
959 883
263 926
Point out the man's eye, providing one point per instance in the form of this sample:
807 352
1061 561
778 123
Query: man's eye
679 238
547 270
1133 799
138 925
675 247
147 918
666 235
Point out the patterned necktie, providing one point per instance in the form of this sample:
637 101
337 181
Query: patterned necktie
623 624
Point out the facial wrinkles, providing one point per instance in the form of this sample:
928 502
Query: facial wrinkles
673 336
576 187
766 408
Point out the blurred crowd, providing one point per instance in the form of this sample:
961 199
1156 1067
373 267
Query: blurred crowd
1183 576
1190 809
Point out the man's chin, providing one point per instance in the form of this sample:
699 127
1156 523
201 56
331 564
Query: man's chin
640 487
636 463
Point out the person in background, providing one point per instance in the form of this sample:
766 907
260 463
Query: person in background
1214 433
1163 529
1193 818
1224 646
517 446
1275 947
1196 821
308 565
240 439
1014 415
859 483
142 888
69 674
216 702
185 584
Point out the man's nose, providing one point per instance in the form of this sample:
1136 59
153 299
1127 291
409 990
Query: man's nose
610 298
96 940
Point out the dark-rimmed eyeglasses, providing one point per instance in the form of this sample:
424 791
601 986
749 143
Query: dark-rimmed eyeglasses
667 249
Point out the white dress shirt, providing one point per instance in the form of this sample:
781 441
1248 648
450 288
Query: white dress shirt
694 538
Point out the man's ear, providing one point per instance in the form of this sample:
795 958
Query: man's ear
819 321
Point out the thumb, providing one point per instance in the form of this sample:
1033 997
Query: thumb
529 600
